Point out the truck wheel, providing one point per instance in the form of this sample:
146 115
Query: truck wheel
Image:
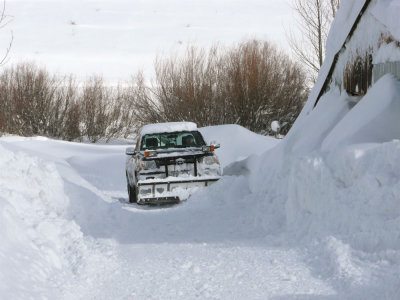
132 194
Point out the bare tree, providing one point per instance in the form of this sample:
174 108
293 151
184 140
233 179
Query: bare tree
314 21
143 105
334 7
4 20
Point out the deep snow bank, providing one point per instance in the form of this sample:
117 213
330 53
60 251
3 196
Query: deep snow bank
42 253
337 171
353 180
188 249
237 142
333 185
34 250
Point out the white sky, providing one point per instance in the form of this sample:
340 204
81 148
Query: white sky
115 38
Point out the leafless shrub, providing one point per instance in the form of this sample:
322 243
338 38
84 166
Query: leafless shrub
32 102
27 100
250 84
69 108
94 109
144 108
262 85
184 86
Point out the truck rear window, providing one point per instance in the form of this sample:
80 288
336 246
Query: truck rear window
185 139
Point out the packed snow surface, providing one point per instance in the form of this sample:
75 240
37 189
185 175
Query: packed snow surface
68 231
387 12
313 216
316 215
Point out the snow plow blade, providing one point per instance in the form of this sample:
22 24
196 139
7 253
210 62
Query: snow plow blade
169 191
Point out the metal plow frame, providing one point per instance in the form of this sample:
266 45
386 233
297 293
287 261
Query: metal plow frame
166 187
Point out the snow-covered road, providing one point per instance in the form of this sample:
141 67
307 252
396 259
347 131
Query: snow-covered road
91 244
316 216
68 231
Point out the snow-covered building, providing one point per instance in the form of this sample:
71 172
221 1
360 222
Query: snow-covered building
363 45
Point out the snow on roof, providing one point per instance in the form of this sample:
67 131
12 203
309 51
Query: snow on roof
168 127
387 12
342 24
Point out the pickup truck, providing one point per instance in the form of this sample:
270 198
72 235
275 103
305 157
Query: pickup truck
170 161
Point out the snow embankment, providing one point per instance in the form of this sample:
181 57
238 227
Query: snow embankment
237 143
340 170
350 187
333 185
206 247
42 253
34 234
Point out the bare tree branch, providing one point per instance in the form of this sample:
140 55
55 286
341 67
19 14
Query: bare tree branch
313 23
4 21
3 60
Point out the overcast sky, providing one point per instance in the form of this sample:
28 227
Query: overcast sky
115 38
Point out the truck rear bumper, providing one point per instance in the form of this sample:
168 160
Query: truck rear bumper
169 190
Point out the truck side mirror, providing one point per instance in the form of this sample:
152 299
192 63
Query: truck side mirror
215 144
130 151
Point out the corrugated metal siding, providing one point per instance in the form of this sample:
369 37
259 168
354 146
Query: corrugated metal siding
385 68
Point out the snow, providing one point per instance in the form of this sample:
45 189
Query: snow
237 142
387 12
380 19
168 127
116 38
307 219
342 24
340 29
314 215
275 126
42 252
377 115
333 186
69 232
387 52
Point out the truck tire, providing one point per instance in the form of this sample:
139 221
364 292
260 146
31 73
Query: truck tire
132 194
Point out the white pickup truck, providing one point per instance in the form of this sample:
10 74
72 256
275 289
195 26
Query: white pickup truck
169 162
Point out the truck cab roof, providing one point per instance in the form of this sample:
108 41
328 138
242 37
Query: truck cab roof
168 127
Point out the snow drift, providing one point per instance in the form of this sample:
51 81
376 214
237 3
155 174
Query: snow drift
42 253
315 216
81 239
333 184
